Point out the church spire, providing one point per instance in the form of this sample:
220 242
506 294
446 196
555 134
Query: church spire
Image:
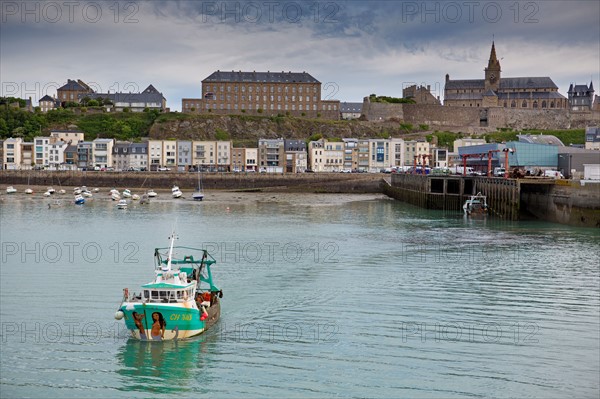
492 72
493 53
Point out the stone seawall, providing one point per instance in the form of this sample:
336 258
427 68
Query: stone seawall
300 182
566 202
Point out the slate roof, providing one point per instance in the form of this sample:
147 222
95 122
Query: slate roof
261 77
144 97
47 98
505 83
465 84
73 85
351 107
139 148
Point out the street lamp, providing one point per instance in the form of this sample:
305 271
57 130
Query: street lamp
506 152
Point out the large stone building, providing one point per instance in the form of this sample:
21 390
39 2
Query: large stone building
581 97
495 91
71 91
263 93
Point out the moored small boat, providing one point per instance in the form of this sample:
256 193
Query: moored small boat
62 191
79 200
176 192
151 193
28 191
476 205
10 190
122 204
126 193
50 190
135 197
181 301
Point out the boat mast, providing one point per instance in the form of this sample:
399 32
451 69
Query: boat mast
167 267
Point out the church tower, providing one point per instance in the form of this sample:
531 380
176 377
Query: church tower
492 72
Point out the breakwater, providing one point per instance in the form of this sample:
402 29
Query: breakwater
290 182
560 201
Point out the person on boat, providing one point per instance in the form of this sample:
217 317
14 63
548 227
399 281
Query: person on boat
158 327
137 319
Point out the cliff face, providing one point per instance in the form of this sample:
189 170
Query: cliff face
243 128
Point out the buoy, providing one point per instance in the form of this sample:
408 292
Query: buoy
119 315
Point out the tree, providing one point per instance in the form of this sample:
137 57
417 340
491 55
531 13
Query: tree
93 103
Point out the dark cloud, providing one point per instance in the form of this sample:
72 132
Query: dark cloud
363 46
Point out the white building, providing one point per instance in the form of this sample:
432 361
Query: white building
169 153
155 154
251 158
11 149
68 136
41 151
102 152
397 152
56 154
326 156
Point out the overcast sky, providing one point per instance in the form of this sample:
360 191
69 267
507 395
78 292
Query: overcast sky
359 47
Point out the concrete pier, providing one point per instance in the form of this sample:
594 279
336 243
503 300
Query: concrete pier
510 199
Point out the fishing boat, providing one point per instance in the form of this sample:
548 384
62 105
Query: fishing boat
79 200
126 193
181 301
476 205
176 192
199 193
122 204
151 193
10 190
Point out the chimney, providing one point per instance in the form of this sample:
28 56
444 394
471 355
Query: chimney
428 87
447 78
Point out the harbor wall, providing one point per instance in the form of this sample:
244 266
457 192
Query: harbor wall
292 182
560 201
566 202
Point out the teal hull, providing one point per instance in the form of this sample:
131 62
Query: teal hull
180 322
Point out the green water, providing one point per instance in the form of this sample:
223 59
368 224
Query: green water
321 298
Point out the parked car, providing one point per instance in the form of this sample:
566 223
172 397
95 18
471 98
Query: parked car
499 172
554 174
164 169
346 171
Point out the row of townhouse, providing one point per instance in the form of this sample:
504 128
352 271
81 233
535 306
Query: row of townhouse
372 155
69 150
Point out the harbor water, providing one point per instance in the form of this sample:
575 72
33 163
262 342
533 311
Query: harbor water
323 296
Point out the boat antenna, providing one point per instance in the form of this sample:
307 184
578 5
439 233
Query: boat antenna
167 267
